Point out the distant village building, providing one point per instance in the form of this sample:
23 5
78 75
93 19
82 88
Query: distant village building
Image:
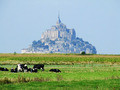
60 39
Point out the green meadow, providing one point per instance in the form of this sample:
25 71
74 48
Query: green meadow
86 72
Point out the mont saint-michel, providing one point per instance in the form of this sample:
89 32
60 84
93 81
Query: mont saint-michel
60 39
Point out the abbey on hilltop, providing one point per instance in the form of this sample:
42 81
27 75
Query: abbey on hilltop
59 31
60 39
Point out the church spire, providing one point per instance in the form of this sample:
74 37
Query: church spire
58 21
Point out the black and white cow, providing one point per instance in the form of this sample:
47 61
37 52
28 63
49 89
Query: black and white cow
34 70
22 68
3 69
39 66
54 70
29 69
14 70
25 68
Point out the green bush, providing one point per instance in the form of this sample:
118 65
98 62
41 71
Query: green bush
83 53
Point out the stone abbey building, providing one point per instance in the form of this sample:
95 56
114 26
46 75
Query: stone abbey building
59 31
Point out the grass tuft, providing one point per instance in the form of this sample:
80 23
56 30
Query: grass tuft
5 81
21 79
59 77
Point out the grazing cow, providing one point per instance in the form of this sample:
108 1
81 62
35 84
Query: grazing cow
34 70
3 69
22 67
29 69
54 70
39 66
14 70
25 68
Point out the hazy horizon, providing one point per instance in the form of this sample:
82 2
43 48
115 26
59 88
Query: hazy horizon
23 21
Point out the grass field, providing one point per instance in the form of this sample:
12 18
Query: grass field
86 72
58 59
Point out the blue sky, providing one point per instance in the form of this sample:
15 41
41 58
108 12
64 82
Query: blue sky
96 21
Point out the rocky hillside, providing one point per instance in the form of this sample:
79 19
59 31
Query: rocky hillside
60 39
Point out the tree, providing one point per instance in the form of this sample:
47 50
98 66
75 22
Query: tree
15 53
83 53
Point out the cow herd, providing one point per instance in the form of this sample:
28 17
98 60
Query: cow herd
24 68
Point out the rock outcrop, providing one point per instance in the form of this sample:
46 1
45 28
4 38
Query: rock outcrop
60 39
